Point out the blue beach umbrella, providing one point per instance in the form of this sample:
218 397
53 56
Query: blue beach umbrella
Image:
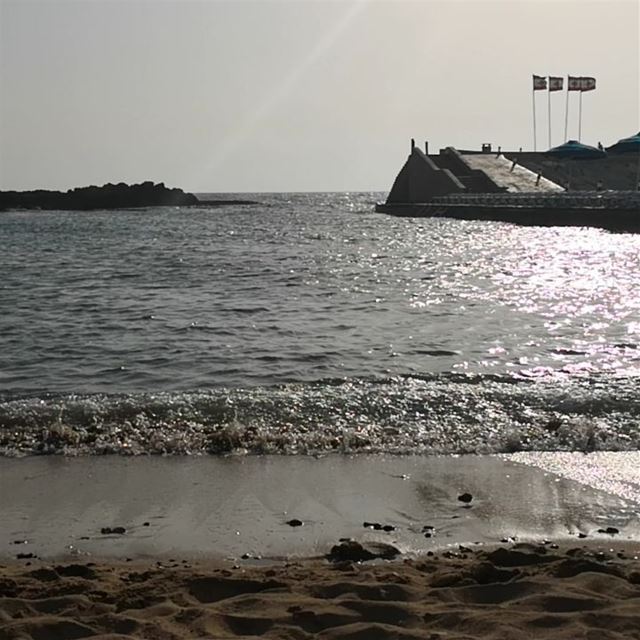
577 150
626 145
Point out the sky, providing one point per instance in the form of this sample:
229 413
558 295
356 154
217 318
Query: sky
296 95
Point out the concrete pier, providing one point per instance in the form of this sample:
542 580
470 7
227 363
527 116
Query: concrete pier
613 210
524 188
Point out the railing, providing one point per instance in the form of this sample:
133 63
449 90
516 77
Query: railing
563 200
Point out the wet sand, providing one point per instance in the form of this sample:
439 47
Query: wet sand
178 571
226 507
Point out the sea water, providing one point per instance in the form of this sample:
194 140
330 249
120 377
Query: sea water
308 323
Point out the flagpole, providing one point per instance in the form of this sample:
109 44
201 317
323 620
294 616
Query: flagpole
549 112
533 97
580 120
566 113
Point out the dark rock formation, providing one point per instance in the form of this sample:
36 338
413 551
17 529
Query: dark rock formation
376 526
110 530
612 531
294 522
224 203
109 196
354 551
520 556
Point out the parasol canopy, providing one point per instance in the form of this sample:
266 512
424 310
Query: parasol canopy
575 149
626 145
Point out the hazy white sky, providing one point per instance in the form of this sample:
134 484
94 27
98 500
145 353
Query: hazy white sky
295 95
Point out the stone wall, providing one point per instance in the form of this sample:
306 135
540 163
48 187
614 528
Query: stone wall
618 172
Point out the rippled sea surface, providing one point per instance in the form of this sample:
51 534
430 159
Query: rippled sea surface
309 323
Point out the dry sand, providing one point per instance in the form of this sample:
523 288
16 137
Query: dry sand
520 591
177 571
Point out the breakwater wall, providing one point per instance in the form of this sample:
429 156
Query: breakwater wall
611 210
614 172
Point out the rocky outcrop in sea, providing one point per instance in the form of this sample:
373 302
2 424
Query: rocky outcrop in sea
108 196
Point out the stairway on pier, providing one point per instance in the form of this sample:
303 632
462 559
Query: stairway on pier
516 179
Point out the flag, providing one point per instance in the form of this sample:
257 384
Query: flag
574 83
587 84
539 82
555 83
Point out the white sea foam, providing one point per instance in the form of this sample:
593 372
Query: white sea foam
446 413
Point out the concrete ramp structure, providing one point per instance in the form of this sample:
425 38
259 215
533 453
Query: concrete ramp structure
509 175
525 188
424 177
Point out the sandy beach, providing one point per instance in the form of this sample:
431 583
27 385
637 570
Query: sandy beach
172 548
516 591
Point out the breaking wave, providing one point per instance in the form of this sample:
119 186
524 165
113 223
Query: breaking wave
436 414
